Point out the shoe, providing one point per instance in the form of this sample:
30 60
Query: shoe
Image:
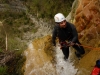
78 55
65 58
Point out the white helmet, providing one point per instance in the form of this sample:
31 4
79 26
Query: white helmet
59 17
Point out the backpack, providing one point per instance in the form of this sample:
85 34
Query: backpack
96 69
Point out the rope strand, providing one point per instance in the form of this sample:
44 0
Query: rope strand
88 46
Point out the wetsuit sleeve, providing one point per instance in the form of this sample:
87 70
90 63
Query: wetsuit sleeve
74 33
54 35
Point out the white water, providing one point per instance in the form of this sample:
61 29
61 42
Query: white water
45 67
64 67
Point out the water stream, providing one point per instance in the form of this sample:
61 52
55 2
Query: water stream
39 63
39 55
64 67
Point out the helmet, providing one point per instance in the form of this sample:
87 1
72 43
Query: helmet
59 17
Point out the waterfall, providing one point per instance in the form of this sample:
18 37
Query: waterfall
42 58
64 67
39 62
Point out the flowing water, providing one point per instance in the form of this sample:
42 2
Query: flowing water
39 63
42 58
64 67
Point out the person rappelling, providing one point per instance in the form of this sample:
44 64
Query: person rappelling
66 31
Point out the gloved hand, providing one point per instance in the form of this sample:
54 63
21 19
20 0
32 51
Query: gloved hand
63 44
70 43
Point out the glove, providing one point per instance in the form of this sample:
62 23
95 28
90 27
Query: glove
70 43
63 44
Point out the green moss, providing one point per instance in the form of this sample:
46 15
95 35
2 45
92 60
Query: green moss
3 70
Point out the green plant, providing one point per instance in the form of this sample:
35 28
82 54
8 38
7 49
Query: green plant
3 70
0 50
14 44
47 9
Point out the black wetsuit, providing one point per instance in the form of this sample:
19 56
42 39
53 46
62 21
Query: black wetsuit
70 34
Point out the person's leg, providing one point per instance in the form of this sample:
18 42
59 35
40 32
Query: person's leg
79 49
65 51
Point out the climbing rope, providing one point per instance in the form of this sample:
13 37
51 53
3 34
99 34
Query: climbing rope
90 47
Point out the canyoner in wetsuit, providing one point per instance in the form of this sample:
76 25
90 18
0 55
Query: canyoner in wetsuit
66 31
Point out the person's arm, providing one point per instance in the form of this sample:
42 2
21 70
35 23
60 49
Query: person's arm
54 35
74 33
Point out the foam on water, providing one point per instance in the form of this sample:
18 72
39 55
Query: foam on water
64 67
38 64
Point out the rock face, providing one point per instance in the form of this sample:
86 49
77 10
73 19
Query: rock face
39 58
88 16
87 21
